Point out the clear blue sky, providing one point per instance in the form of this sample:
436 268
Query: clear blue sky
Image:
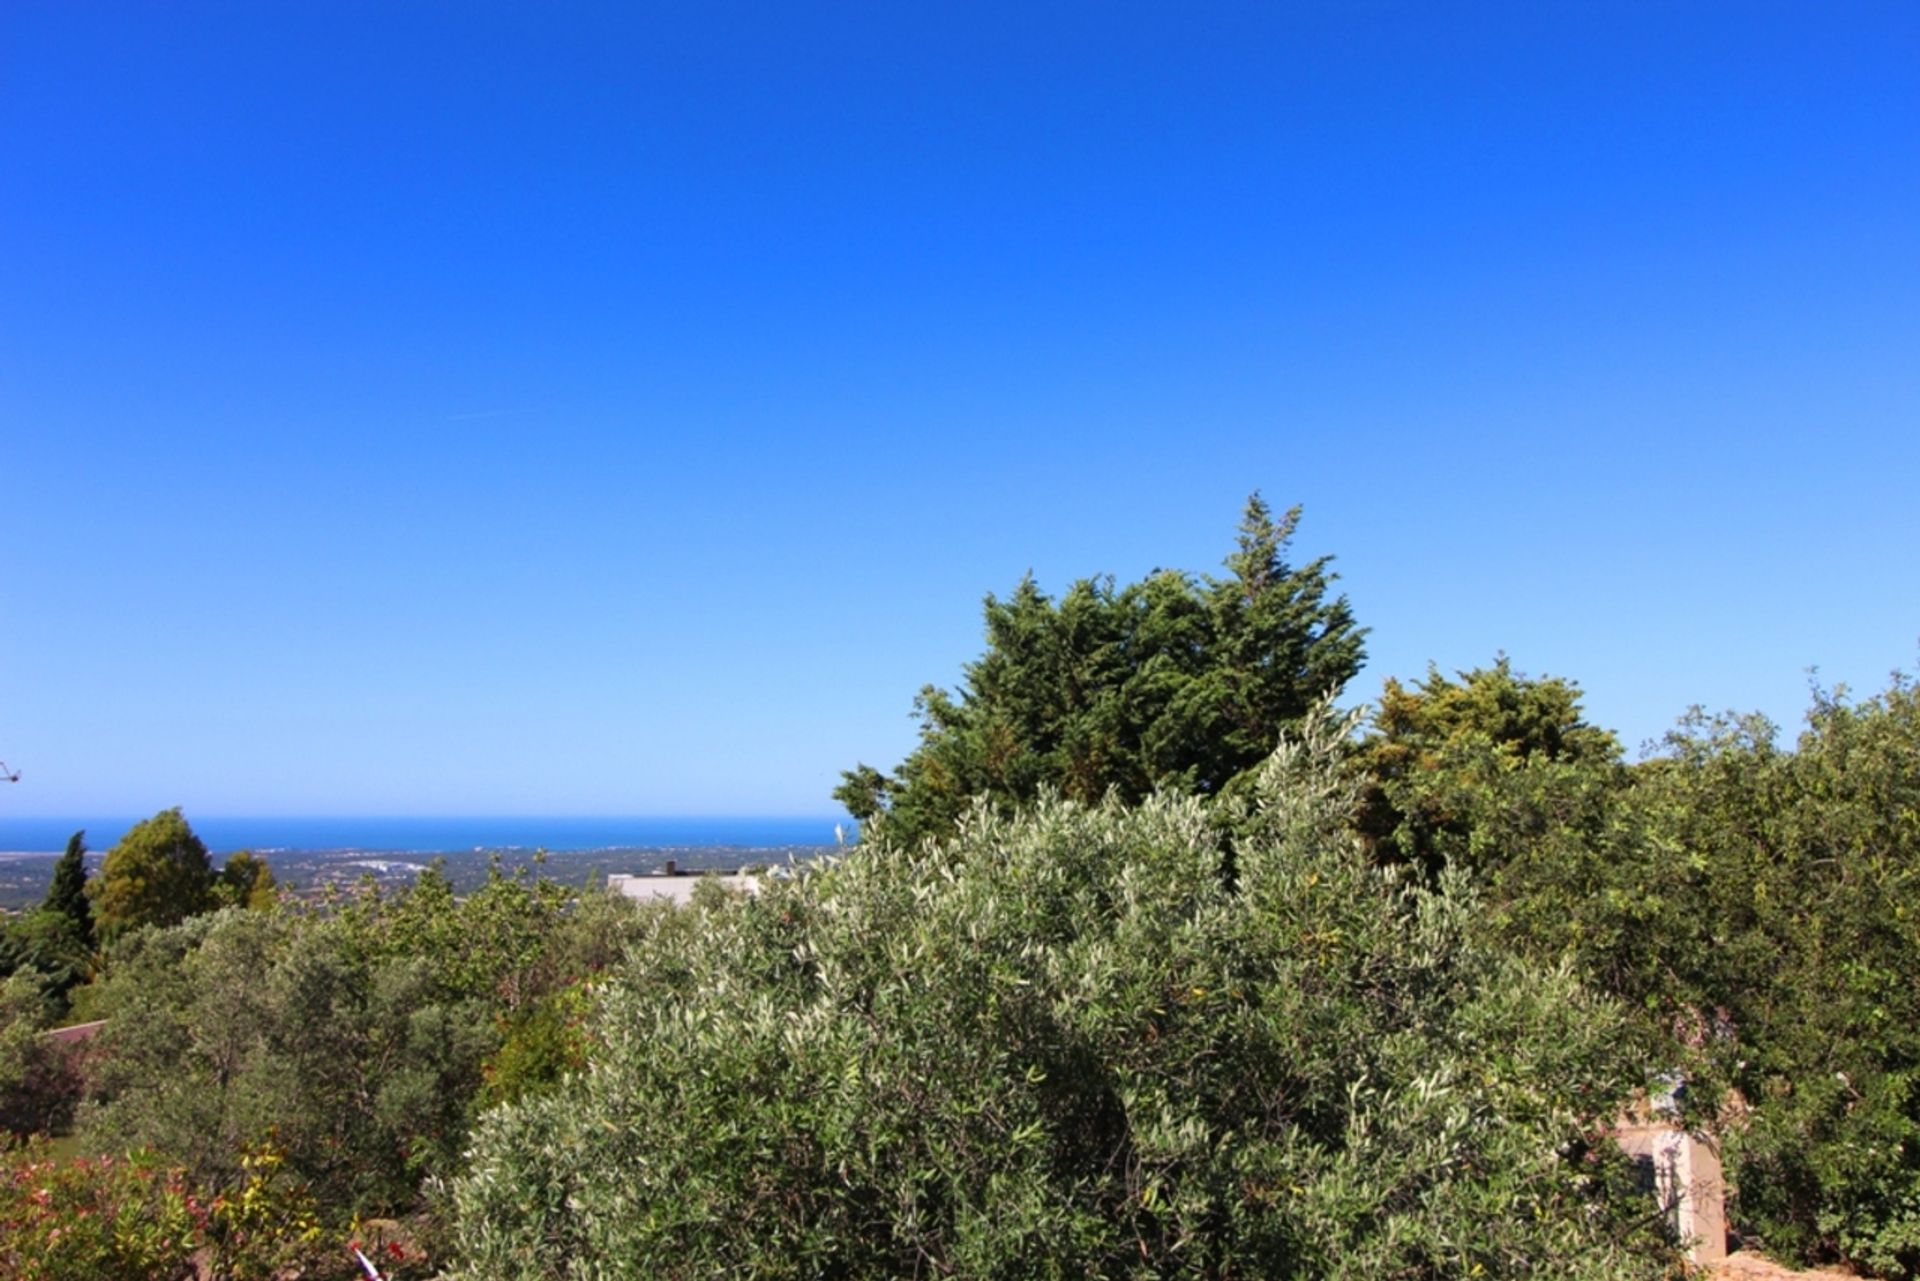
533 408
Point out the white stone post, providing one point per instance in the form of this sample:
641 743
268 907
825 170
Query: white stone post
1688 1182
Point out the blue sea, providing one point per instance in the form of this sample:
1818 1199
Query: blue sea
307 853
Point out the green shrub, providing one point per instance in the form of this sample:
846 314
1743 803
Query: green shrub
138 1218
91 1220
49 944
1758 907
1813 860
40 1080
1062 1045
266 1225
355 1036
541 1044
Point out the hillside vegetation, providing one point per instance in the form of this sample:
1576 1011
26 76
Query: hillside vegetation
1147 964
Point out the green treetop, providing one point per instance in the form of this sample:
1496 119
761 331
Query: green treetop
1177 681
159 874
67 895
246 881
1437 747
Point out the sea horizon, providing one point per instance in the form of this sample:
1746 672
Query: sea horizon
309 852
440 833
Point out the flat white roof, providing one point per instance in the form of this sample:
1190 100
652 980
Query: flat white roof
678 888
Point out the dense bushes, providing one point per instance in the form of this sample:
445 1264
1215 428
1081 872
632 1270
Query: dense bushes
355 1039
63 1220
39 1076
1759 908
1810 977
1366 1016
1062 1045
137 1217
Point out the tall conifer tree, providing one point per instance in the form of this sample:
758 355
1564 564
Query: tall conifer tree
1176 681
67 894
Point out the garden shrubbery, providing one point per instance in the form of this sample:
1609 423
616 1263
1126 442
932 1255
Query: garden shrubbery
1756 907
1064 1045
1366 1010
348 1046
89 1220
1806 969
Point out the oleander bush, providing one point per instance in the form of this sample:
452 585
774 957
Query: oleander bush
138 1217
1067 1044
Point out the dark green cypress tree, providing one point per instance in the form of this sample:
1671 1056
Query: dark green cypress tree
67 894
1176 682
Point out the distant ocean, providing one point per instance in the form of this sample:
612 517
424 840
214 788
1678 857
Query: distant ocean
434 835
309 852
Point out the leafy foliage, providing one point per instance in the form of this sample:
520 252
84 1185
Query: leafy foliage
48 945
1063 1045
1173 682
44 959
137 1216
1810 876
82 1220
39 1078
1101 993
1754 905
265 1226
542 1043
67 894
1432 745
246 881
158 874
353 1037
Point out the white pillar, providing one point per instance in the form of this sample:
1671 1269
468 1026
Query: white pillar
1688 1181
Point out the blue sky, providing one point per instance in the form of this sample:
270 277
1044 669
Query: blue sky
623 409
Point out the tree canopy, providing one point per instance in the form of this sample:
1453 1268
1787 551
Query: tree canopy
246 881
1751 902
1429 740
158 874
1063 1044
67 894
1177 682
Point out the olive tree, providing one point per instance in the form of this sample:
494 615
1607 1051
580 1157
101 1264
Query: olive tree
1065 1044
